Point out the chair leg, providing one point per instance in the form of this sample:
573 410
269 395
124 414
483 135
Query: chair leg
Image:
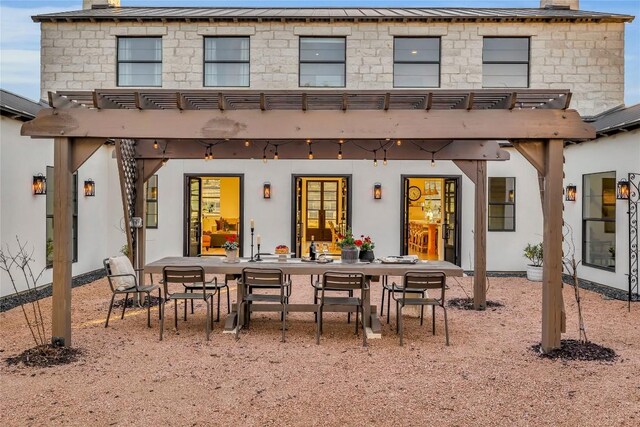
397 317
382 303
284 320
159 304
389 305
364 329
185 309
208 327
318 324
401 325
161 308
357 316
349 313
433 319
175 309
109 312
239 318
421 315
124 306
228 300
446 325
218 313
148 309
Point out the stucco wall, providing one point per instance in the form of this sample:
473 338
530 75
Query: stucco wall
586 58
619 153
24 215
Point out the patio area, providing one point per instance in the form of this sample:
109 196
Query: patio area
488 375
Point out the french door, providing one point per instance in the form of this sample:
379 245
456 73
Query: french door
450 221
322 209
193 216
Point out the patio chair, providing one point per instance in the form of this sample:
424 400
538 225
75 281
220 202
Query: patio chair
315 282
342 281
122 279
266 279
213 286
387 288
421 281
187 276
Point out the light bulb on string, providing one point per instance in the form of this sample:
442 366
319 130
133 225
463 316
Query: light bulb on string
375 158
399 142
275 155
433 161
247 143
384 160
340 154
155 144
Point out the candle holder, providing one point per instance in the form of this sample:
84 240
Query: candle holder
258 254
252 259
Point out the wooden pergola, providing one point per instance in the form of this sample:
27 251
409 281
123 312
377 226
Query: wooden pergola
150 127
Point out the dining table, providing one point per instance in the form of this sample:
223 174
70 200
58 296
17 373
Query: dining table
298 267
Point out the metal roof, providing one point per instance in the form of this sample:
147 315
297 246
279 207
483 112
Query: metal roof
619 119
329 14
17 106
166 99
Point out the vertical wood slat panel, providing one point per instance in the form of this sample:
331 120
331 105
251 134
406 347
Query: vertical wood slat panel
552 246
480 237
63 245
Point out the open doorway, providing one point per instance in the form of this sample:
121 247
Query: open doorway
213 212
431 217
322 211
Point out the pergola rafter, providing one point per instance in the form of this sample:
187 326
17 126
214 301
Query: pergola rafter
464 126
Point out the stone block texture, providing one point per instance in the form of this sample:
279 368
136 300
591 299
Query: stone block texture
587 58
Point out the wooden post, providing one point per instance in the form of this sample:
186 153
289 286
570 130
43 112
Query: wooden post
480 238
552 245
62 242
140 211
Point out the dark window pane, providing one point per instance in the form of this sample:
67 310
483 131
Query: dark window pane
599 199
328 75
315 49
226 74
502 209
416 75
226 49
152 201
139 49
599 244
140 74
506 49
502 190
416 49
599 214
504 75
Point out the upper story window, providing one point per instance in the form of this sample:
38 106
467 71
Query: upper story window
505 62
139 61
226 61
416 62
322 61
502 204
151 192
598 220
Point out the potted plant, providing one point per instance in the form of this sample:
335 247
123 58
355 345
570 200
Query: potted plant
534 254
366 246
349 249
231 248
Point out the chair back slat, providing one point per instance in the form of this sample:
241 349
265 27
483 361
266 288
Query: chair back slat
183 275
258 276
334 280
424 281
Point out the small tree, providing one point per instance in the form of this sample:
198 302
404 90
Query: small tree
570 264
20 264
534 254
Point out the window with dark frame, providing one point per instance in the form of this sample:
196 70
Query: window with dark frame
151 192
50 220
505 62
599 220
416 62
322 62
139 61
502 204
226 61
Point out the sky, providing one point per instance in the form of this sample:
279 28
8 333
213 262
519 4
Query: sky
20 36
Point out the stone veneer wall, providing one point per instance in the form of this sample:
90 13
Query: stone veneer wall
587 58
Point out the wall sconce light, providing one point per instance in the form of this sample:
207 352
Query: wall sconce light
377 191
570 193
89 188
39 184
266 190
622 192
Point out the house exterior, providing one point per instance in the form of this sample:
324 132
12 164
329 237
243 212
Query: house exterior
557 46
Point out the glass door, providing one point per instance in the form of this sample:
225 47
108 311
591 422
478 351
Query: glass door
450 223
405 217
194 223
322 209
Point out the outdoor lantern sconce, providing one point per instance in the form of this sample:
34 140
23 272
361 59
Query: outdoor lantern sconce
377 191
266 190
622 192
570 193
39 184
89 188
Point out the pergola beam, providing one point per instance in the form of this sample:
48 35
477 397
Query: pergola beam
300 125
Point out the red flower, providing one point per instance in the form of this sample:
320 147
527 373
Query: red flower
358 242
231 238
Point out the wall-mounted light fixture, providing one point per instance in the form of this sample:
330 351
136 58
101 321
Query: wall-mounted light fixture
39 184
377 191
266 190
89 188
570 193
622 191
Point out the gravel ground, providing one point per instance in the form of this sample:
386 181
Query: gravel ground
488 376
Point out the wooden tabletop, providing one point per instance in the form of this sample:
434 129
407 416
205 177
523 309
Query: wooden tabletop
216 265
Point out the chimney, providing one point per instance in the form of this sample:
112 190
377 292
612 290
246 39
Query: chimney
100 4
560 4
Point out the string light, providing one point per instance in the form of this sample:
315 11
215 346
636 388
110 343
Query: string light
164 161
155 144
264 158
340 154
247 143
310 152
433 161
375 158
341 141
384 161
275 155
399 142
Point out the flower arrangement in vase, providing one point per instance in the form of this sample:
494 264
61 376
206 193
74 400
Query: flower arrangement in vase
349 248
231 248
366 246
